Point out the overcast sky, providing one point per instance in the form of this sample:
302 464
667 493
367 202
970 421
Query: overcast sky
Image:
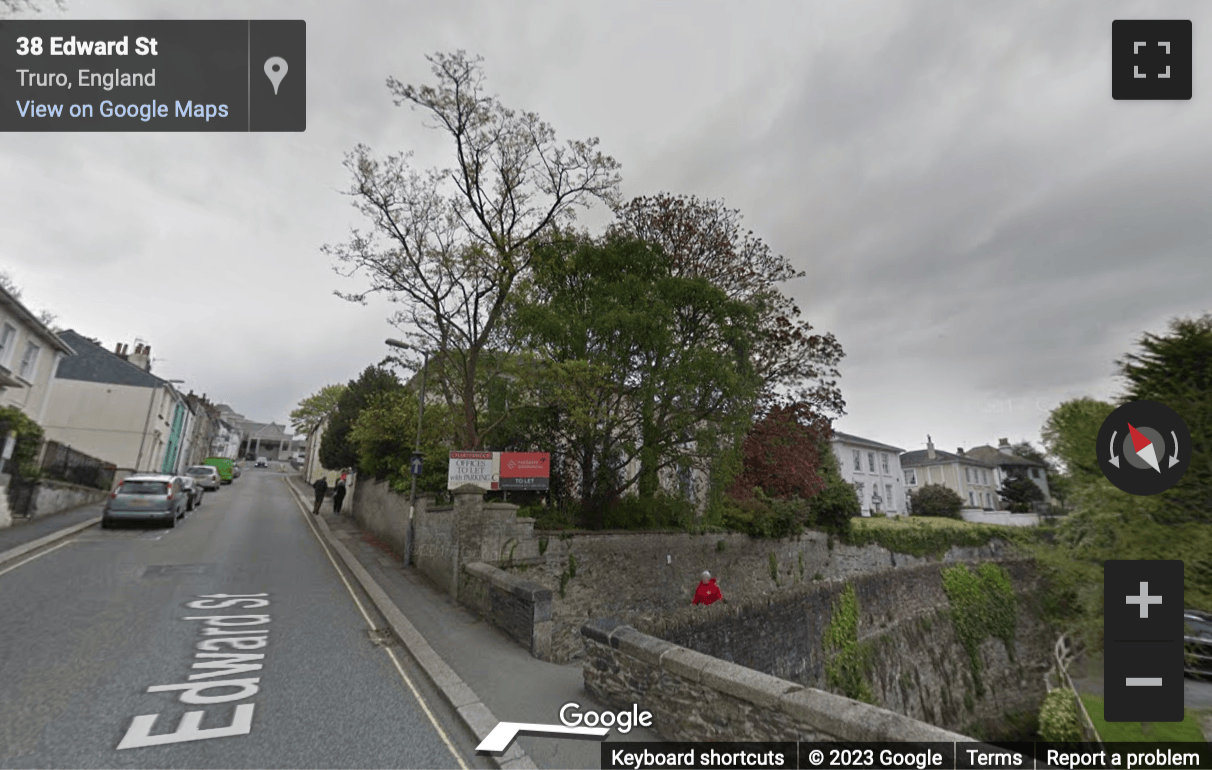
983 228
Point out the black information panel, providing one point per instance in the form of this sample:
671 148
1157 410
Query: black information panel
1143 649
153 75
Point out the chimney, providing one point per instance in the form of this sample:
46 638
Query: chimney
930 454
118 348
960 451
1003 446
140 357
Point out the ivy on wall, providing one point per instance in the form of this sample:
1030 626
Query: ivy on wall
983 606
29 439
846 670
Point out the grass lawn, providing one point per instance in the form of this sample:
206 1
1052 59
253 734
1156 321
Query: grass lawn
1186 730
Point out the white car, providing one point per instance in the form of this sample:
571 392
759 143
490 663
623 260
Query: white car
262 462
205 476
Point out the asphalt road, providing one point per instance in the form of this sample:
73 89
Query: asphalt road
98 635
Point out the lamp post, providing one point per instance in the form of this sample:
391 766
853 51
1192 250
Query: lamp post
147 423
412 499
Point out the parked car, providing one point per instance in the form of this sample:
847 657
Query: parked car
262 462
1197 642
193 492
153 497
206 476
223 465
236 470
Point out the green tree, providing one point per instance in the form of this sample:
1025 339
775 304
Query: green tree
312 410
833 508
1070 433
642 365
385 433
336 449
1019 491
1176 369
450 244
936 500
706 239
29 436
1058 484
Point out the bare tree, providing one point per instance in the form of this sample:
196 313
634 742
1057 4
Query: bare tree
450 244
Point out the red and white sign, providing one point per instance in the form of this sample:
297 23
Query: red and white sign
525 470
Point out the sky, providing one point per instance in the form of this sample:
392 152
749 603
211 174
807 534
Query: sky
982 227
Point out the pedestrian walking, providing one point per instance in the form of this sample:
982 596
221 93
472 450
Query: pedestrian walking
708 591
338 495
321 487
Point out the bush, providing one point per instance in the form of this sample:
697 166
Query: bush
1058 721
656 512
936 500
29 440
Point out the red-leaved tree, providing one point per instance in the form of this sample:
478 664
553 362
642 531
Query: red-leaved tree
781 454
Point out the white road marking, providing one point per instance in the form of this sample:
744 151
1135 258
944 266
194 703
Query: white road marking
307 515
35 556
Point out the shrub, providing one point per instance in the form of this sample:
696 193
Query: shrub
1058 721
936 500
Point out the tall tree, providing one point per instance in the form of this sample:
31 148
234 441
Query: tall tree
337 450
1070 433
648 369
783 453
1019 491
449 244
312 410
705 239
1176 369
1058 485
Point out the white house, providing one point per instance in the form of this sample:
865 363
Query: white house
29 354
875 471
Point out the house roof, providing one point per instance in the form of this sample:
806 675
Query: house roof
919 458
847 438
995 456
93 363
18 309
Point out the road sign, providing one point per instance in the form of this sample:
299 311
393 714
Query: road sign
416 465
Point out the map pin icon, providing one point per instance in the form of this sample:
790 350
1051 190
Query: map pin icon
275 70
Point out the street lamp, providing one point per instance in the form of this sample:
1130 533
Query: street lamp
412 499
147 423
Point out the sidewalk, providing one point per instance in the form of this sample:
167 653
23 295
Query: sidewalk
21 536
496 679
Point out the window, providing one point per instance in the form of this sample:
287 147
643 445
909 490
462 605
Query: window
29 362
988 499
888 495
6 343
910 477
1035 473
871 461
967 474
972 499
985 476
884 461
858 460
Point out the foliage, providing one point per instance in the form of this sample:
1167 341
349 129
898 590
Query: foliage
936 500
336 448
660 511
29 436
925 536
385 436
1058 484
706 240
638 368
1070 432
1176 370
783 452
983 605
1058 717
450 244
1019 491
846 669
312 410
833 508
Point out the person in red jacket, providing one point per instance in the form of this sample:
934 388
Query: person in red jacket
708 591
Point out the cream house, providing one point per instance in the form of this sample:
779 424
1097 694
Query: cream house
875 471
109 405
1008 463
29 354
975 480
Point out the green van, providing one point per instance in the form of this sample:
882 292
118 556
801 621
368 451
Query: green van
223 465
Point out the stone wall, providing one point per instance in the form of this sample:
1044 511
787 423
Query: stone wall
914 661
518 607
380 511
639 577
694 697
54 496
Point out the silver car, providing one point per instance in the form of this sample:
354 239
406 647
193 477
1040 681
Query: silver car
146 497
206 476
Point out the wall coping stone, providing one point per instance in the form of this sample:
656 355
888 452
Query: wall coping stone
601 629
685 663
498 578
746 683
640 646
